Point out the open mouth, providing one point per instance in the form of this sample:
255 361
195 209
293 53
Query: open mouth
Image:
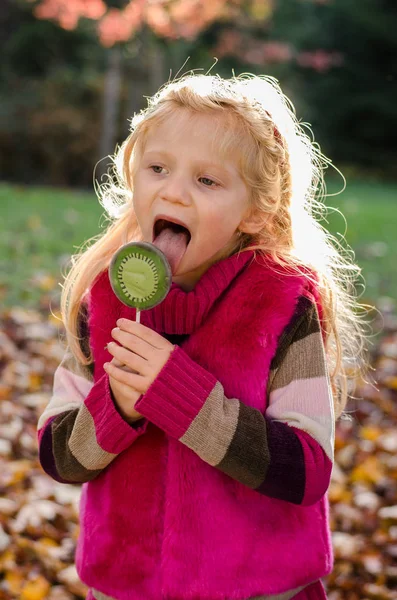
162 224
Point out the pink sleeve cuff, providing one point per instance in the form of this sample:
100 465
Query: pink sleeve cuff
113 434
177 394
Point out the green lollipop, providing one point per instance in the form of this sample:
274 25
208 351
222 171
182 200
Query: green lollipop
140 275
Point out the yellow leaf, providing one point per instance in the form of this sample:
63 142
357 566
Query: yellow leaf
37 589
370 433
7 559
46 541
35 381
75 533
18 471
14 581
391 382
5 391
339 493
370 471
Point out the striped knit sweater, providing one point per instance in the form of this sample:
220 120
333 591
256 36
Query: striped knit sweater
284 452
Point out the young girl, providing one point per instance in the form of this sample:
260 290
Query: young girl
204 434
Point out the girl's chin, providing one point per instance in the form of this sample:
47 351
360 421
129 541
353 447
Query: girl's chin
188 273
193 269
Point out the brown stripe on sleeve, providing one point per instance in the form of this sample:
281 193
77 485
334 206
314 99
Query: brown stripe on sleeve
298 366
308 323
248 456
67 465
304 322
83 443
211 432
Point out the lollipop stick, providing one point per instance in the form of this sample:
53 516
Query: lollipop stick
138 315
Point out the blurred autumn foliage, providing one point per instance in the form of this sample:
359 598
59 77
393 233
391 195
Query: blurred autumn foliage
171 19
73 72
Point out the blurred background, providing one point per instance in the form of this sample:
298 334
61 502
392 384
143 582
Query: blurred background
72 74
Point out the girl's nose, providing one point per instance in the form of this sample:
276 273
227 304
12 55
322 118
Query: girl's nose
176 190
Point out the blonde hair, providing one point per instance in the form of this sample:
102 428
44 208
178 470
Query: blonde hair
282 168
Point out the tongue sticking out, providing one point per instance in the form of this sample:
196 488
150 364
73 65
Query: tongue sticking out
173 244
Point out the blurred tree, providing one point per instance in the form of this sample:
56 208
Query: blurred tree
49 87
120 20
334 58
337 59
352 97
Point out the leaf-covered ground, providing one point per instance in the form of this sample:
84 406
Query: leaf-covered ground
39 517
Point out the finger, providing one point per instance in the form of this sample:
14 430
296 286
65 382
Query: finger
126 390
120 365
137 382
133 343
126 357
115 362
141 331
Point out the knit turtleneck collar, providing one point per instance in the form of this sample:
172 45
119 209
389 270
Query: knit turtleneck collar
183 312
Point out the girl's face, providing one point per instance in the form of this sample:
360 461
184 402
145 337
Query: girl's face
180 175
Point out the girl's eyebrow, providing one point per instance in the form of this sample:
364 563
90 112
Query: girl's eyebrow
200 163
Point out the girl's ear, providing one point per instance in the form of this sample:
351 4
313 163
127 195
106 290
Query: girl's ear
252 224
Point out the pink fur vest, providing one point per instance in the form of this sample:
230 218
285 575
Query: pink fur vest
160 523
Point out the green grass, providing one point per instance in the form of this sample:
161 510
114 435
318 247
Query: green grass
42 227
370 210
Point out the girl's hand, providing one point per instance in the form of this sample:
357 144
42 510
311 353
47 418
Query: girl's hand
124 396
137 361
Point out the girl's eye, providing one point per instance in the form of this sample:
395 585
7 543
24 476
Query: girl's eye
205 180
154 167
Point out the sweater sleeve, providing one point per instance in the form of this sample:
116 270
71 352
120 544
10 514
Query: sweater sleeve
286 453
80 432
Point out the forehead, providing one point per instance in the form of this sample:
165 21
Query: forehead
217 135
